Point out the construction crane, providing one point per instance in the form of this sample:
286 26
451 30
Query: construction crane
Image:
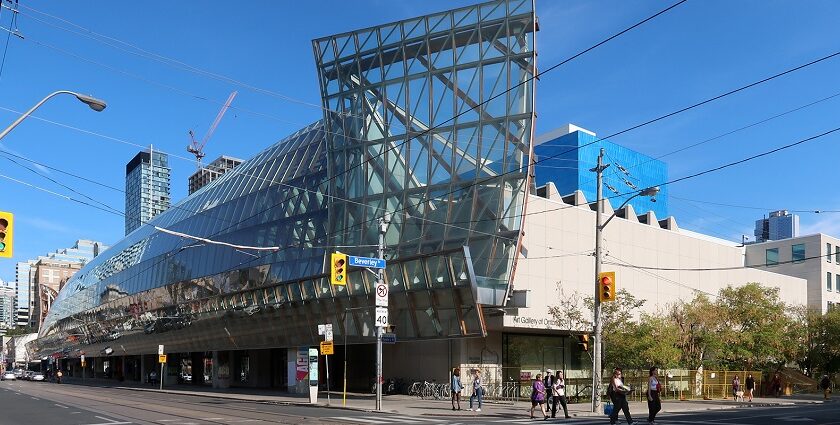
197 148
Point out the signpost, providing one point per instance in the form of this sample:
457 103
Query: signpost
327 348
162 361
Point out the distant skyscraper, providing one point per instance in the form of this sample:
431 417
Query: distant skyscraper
780 225
27 297
147 178
212 171
7 306
574 151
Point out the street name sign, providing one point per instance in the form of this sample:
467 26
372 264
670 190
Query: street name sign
373 263
389 338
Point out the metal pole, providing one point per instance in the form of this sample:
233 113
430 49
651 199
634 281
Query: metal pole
383 226
86 99
161 375
596 349
327 361
344 396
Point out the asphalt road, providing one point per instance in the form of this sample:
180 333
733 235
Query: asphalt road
35 403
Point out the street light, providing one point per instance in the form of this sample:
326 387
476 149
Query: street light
96 104
599 229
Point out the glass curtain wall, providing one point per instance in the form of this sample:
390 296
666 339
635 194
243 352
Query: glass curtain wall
431 119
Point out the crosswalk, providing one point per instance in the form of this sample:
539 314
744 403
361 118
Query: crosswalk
417 420
389 419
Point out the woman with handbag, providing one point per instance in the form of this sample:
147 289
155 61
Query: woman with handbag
618 394
653 397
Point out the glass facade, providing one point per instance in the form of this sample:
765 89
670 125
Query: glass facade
147 188
573 155
407 131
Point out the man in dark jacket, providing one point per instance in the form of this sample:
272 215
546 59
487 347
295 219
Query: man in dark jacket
825 384
548 381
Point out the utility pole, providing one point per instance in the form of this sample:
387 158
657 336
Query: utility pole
383 227
599 228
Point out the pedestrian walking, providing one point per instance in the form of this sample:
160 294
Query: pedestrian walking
825 384
736 386
558 391
548 383
456 388
653 395
776 385
617 392
538 396
477 390
750 383
58 376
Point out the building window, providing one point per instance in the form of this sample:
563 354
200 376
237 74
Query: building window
828 281
837 254
772 257
797 252
828 252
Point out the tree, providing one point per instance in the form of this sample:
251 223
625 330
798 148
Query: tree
19 331
753 327
569 313
619 328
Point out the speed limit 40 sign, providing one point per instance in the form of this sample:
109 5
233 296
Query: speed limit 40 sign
381 317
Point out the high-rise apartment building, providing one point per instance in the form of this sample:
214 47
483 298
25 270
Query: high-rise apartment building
7 306
212 171
23 283
147 188
780 225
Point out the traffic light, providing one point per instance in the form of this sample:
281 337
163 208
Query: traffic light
7 221
338 268
583 342
606 286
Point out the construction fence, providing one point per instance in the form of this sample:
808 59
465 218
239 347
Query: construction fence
511 385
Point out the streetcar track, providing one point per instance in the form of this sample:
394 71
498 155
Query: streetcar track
170 404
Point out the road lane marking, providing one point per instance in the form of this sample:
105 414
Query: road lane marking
357 419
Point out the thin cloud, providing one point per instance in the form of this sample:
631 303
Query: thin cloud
43 224
829 226
38 167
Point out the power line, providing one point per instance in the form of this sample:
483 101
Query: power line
813 211
623 263
470 108
746 266
731 132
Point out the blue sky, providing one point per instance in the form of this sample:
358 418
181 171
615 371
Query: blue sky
698 50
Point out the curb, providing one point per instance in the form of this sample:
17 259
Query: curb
490 414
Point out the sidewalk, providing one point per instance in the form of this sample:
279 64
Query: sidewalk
413 406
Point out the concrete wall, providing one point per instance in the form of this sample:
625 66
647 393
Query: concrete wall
560 240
